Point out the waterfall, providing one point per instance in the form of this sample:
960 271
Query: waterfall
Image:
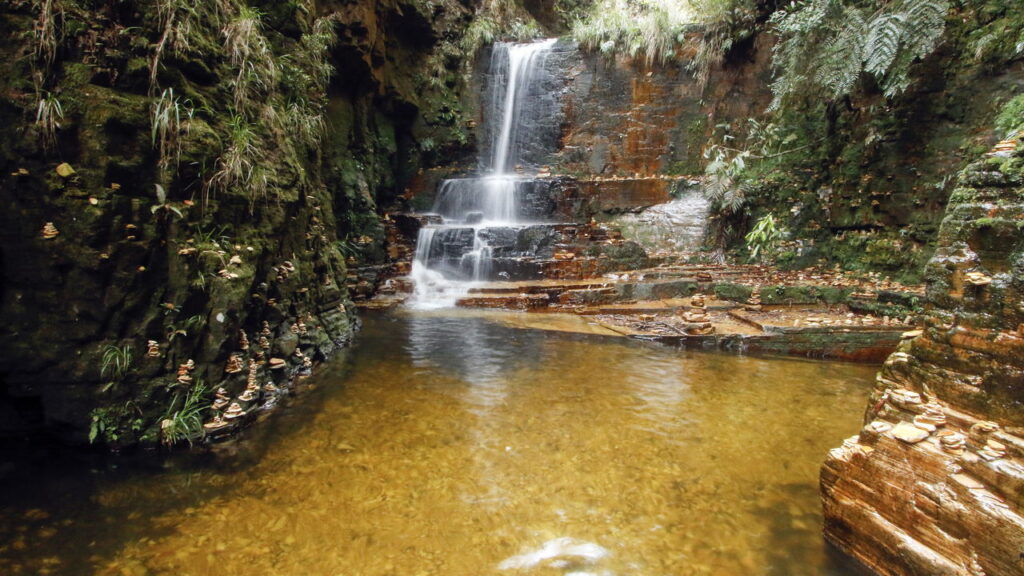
452 255
491 200
519 66
677 227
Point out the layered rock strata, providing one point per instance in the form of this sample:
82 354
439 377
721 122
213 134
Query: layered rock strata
934 482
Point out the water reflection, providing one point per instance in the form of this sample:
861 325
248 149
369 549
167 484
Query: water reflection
461 447
480 355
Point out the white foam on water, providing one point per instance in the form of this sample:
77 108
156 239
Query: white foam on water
559 553
432 291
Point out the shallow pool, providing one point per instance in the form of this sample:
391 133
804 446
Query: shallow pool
457 445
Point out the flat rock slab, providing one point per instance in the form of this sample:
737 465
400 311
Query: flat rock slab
813 319
506 302
858 346
907 432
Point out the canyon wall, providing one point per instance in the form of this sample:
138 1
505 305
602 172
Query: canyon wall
185 185
934 483
863 183
628 119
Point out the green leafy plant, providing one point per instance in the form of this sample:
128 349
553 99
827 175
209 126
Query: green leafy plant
115 361
237 166
729 169
763 238
214 235
653 31
102 424
1011 116
184 27
724 23
348 248
46 31
726 186
647 30
184 422
162 205
571 11
828 45
108 423
314 48
190 325
249 52
305 122
169 124
49 113
98 425
496 20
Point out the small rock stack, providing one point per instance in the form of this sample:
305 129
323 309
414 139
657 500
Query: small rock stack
697 318
754 302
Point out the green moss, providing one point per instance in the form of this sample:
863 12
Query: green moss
831 295
881 251
789 295
733 292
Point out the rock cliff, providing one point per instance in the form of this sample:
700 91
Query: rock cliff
934 483
184 187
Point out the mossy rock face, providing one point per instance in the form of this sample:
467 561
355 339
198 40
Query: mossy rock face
975 291
623 256
884 166
191 267
675 289
789 295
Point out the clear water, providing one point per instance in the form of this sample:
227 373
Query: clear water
456 445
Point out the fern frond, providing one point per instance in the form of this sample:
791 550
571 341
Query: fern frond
925 21
883 43
826 45
840 62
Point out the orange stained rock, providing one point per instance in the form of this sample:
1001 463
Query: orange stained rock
647 128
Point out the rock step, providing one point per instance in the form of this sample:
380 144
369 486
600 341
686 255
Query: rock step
506 302
518 288
779 321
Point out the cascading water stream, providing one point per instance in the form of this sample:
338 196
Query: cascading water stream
524 61
470 206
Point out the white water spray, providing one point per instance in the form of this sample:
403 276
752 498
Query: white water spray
478 203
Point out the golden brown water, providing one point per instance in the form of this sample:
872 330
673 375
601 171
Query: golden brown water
460 446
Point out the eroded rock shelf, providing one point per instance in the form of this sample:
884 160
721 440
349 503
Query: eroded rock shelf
934 483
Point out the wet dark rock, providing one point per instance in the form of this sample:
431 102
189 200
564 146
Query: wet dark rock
502 240
545 118
409 224
452 243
